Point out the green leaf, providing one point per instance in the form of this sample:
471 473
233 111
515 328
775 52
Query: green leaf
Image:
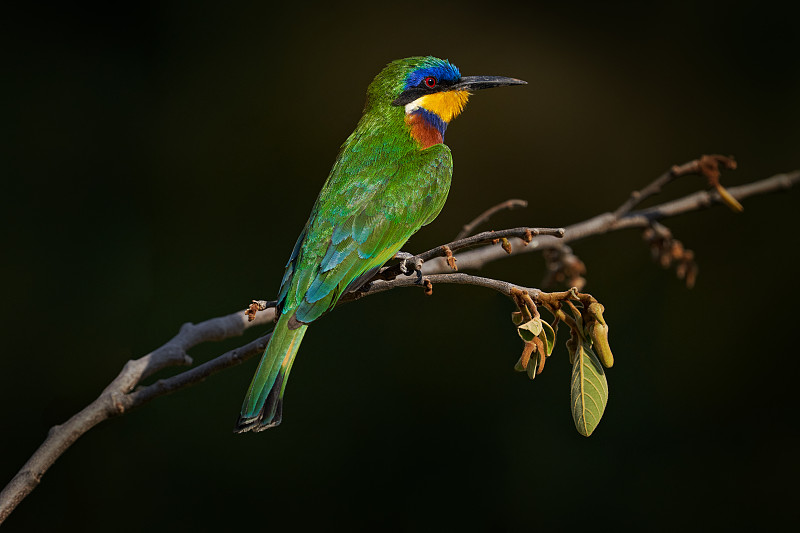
589 390
533 364
516 318
548 337
530 329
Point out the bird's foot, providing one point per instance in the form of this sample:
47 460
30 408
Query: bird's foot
411 265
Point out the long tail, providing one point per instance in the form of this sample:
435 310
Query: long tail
263 405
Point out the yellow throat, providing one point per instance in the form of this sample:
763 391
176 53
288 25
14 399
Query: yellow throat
447 105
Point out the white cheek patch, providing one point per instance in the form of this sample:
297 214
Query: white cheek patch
413 106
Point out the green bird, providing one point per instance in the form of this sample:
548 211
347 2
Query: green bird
391 177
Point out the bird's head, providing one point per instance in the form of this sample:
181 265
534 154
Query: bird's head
428 89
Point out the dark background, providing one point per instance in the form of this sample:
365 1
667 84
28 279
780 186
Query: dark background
159 160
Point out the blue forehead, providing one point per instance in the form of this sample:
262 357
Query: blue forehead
441 70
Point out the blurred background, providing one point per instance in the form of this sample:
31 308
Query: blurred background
160 158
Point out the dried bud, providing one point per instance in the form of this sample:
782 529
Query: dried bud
572 347
681 269
427 287
528 237
596 311
540 354
525 358
677 250
533 364
597 329
448 255
691 275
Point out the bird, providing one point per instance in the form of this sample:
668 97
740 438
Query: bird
390 177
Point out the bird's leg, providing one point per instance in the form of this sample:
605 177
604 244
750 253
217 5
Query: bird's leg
410 264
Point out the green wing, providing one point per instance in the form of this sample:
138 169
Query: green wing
364 214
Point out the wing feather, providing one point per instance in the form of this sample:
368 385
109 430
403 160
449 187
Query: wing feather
364 214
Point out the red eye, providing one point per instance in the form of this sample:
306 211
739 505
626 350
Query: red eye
430 81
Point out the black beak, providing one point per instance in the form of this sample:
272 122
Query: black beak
476 83
466 83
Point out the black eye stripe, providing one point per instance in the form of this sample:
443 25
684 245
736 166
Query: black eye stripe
412 93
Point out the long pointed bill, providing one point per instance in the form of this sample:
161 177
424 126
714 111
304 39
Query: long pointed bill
476 83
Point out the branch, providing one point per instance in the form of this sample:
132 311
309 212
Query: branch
121 394
608 222
707 165
486 215
524 234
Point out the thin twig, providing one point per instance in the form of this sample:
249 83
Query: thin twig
523 234
486 215
707 165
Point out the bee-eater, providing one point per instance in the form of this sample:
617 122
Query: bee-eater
391 177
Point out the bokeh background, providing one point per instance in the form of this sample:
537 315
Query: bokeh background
160 158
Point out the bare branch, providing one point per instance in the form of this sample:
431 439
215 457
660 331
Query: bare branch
607 222
121 395
707 165
486 215
117 397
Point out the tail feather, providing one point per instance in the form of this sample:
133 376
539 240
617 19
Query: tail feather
263 405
